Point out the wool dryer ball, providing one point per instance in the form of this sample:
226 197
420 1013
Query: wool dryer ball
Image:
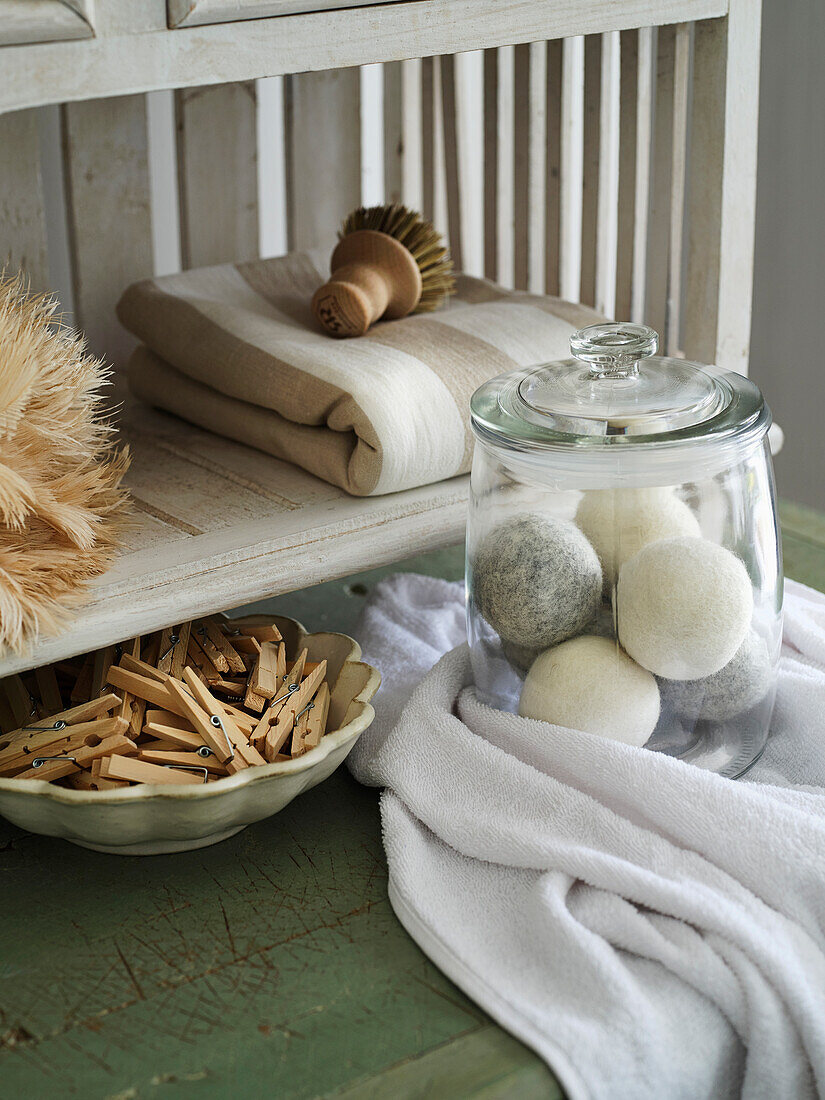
537 580
590 684
742 683
521 657
619 522
684 607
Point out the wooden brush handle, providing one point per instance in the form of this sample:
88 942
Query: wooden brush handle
373 276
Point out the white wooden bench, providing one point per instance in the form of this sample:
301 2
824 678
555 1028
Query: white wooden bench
618 168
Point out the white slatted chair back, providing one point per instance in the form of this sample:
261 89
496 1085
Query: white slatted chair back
617 169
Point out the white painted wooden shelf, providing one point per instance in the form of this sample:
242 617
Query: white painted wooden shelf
619 170
219 525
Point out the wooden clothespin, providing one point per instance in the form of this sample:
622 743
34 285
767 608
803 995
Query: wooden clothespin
245 722
267 675
173 648
254 701
313 723
51 766
245 646
234 687
150 650
198 658
299 730
61 729
132 707
82 690
154 691
204 713
23 707
49 691
289 683
59 744
103 660
261 632
139 771
165 718
182 737
245 754
283 725
295 672
183 758
134 664
224 646
215 656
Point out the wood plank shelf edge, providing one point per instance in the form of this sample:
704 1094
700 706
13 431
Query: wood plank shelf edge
220 525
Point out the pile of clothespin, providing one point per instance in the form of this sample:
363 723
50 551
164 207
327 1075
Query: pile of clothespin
188 705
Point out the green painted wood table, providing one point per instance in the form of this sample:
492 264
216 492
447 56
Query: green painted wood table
267 966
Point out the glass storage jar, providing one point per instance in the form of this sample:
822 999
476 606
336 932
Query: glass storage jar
624 570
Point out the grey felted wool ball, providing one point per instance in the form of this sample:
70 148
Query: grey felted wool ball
536 580
589 684
684 607
519 656
619 522
742 683
522 656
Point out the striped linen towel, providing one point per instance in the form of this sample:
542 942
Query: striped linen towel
235 349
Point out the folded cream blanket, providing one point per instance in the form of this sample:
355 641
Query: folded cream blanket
235 349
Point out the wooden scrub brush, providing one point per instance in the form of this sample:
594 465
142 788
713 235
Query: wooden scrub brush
388 262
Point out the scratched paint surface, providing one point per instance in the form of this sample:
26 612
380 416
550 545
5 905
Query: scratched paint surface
270 964
267 966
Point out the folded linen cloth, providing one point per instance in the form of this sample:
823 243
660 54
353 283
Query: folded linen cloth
235 349
650 929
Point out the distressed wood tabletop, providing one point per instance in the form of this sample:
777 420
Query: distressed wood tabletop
270 965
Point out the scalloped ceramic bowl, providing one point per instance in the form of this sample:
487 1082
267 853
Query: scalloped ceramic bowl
148 820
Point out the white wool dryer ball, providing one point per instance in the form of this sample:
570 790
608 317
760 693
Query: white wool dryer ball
619 522
589 684
536 580
684 607
742 683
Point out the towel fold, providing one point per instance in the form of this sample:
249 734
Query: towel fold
650 929
235 349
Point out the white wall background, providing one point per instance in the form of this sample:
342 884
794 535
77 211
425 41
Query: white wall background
787 349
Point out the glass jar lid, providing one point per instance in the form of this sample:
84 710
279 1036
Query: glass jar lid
616 391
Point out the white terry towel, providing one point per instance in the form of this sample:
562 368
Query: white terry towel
652 930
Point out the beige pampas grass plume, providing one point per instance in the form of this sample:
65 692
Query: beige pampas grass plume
61 503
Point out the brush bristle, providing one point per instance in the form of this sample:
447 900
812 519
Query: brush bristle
421 240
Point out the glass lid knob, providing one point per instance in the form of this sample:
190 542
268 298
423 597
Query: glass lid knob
614 350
